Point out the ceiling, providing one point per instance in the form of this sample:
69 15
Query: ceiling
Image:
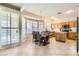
51 10
17 4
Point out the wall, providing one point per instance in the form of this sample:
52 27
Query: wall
23 28
47 23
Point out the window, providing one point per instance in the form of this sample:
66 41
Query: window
29 26
35 26
32 25
41 26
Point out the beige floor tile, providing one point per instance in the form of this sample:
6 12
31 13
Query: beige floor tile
53 49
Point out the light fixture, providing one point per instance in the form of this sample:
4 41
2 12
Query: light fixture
1 8
68 12
59 13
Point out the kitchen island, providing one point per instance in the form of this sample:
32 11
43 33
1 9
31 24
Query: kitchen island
61 36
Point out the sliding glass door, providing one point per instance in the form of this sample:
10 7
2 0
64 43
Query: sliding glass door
14 28
4 27
9 27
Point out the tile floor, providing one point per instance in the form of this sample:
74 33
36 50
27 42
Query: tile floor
53 49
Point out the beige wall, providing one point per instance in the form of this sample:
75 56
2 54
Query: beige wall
47 23
23 28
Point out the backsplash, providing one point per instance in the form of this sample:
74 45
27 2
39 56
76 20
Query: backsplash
74 29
